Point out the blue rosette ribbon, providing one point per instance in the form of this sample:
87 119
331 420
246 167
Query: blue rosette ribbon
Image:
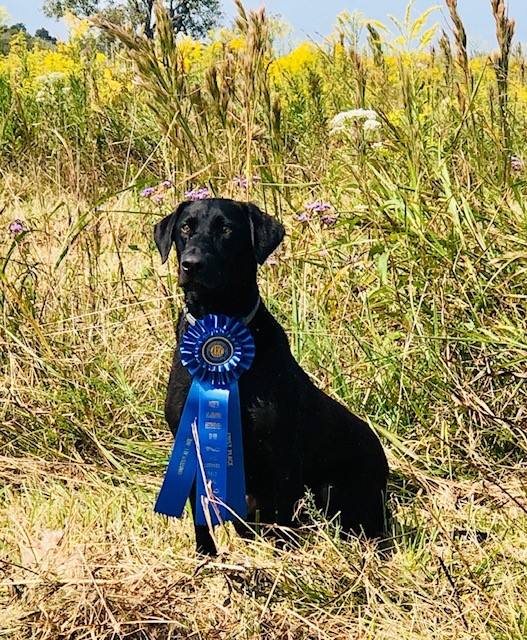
208 447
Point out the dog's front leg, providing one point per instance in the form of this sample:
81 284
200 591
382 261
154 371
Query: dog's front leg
288 492
287 486
285 493
204 541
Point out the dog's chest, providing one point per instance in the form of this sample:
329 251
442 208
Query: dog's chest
260 397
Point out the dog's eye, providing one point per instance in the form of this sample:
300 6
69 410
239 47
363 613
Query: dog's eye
185 228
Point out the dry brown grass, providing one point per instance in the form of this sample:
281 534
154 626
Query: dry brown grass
83 556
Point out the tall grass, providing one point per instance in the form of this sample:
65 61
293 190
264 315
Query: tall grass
403 298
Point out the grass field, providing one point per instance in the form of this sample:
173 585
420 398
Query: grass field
401 285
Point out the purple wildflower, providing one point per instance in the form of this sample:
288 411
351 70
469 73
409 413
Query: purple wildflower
329 221
148 192
272 260
158 198
352 259
166 184
323 252
318 206
516 164
197 194
244 182
16 227
303 217
240 181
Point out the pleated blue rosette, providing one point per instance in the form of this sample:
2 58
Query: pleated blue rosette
208 446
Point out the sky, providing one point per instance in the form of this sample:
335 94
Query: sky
312 19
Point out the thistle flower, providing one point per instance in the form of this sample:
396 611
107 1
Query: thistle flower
16 227
516 164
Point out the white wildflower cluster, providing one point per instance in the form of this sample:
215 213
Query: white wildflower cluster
355 117
50 83
55 77
371 125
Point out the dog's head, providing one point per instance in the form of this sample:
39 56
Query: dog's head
219 242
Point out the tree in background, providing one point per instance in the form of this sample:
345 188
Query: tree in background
44 34
42 37
7 32
193 17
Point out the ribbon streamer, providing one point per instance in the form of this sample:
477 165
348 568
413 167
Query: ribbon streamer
216 350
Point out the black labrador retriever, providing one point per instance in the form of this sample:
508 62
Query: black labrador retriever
294 436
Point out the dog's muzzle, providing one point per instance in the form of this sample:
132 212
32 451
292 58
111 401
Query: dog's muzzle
196 268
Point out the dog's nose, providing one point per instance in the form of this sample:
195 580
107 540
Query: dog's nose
192 263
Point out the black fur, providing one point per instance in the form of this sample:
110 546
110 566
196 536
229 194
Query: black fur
294 436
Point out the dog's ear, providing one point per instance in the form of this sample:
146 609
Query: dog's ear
266 232
163 232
